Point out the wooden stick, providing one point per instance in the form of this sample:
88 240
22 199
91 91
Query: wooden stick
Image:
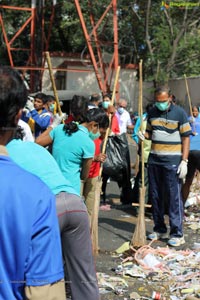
53 82
188 94
139 235
95 212
137 204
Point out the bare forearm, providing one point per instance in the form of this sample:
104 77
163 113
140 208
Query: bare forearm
185 147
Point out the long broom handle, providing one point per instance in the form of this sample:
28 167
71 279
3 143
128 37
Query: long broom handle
188 94
141 118
53 82
108 129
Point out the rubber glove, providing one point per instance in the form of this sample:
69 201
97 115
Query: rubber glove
57 120
29 105
182 169
141 135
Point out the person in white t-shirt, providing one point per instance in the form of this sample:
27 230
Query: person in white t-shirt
123 117
28 136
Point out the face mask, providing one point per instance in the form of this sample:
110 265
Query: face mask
120 110
94 136
162 105
105 104
51 107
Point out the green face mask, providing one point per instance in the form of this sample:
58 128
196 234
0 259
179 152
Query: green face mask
51 107
94 136
162 105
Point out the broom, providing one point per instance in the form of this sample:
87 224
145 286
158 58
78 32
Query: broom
53 83
139 236
95 212
189 99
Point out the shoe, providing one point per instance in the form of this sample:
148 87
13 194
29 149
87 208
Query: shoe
176 241
157 236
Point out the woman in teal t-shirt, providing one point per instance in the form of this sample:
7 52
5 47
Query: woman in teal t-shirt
72 145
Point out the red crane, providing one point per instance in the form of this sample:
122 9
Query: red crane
39 41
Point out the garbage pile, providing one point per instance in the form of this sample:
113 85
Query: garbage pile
175 274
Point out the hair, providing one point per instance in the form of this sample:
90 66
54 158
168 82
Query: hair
162 89
107 96
19 133
104 123
13 95
42 97
148 107
95 97
94 114
50 98
78 107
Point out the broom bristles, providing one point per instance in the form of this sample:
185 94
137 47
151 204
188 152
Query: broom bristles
139 236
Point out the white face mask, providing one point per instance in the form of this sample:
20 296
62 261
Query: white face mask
120 110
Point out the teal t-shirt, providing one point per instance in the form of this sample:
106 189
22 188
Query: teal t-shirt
38 161
69 152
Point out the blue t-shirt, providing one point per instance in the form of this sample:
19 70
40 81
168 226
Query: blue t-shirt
30 250
69 152
37 160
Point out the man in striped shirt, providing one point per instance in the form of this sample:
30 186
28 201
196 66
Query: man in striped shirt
169 130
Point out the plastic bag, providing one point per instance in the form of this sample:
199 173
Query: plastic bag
117 164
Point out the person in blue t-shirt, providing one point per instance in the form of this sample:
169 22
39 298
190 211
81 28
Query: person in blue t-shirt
72 146
37 115
72 216
29 226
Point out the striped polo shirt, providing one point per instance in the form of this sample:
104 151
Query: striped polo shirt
166 129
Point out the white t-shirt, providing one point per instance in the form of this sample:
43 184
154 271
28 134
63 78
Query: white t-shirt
27 131
124 120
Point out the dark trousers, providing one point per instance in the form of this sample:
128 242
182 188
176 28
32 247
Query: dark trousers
164 183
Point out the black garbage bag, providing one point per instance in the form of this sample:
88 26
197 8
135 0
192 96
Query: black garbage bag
117 164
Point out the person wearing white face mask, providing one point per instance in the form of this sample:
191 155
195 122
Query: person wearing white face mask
169 130
123 117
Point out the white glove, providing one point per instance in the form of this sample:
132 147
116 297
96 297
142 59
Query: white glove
29 105
57 120
141 135
182 169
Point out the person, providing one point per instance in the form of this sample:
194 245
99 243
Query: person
30 232
147 148
94 101
194 122
72 216
169 131
73 147
28 136
110 109
78 107
90 183
36 115
193 164
123 117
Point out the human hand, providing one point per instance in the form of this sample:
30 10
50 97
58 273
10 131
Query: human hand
100 157
29 105
141 135
58 119
182 169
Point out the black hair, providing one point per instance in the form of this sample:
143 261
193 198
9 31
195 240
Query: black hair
19 133
104 123
50 98
78 107
42 97
95 97
13 96
163 89
148 107
94 114
107 96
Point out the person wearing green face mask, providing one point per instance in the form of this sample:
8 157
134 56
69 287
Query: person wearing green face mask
169 130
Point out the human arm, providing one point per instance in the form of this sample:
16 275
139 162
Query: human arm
185 147
86 164
44 139
44 271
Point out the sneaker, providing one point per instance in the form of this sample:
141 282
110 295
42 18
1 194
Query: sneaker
176 241
157 236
